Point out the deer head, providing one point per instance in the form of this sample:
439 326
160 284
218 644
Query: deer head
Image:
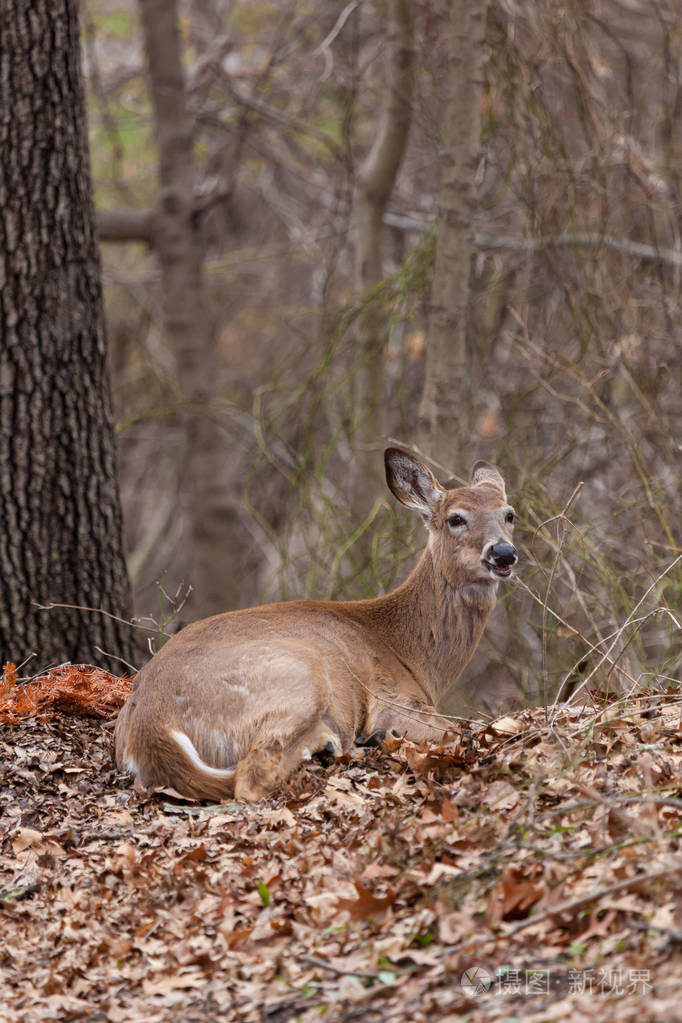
470 528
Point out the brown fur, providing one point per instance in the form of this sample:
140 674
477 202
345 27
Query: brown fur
257 691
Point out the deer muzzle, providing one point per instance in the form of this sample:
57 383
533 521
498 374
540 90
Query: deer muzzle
499 558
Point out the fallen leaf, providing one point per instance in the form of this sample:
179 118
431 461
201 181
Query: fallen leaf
506 726
173 982
366 905
26 838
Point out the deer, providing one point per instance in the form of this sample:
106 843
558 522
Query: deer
231 705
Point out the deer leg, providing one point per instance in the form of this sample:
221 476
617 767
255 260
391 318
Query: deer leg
327 756
265 766
373 740
417 722
257 772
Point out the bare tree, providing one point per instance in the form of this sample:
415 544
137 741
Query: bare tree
60 519
204 499
553 301
444 414
375 181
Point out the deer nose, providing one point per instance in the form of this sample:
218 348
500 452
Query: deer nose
503 554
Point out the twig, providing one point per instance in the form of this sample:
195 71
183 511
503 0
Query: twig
21 892
628 824
561 518
26 660
339 970
587 804
564 907
431 712
92 610
115 657
582 240
607 414
640 621
286 120
352 539
671 936
340 22
586 900
214 810
606 656
573 631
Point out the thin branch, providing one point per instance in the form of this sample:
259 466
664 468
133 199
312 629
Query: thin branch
429 712
639 250
286 120
587 900
138 225
339 970
570 906
589 804
574 632
92 610
628 621
126 226
115 657
563 529
324 49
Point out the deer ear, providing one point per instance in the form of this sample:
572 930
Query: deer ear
484 472
412 483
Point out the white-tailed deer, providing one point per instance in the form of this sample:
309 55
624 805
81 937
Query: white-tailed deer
232 704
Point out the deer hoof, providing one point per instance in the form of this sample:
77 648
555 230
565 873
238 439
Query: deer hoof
327 755
375 739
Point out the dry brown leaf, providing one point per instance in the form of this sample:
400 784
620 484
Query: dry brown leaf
112 922
173 982
367 905
449 810
506 726
514 896
26 838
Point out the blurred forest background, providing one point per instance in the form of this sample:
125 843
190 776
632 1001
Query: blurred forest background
452 225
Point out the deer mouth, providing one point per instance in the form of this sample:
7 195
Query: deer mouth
498 571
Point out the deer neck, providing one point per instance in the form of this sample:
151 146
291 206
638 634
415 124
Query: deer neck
432 627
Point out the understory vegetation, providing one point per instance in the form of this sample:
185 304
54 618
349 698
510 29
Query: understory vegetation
572 338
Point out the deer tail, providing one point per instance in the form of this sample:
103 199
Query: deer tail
170 758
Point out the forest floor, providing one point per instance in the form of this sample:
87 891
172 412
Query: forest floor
522 870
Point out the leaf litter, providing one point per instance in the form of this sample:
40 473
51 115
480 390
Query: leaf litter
516 870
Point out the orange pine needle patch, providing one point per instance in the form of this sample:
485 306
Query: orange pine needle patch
79 689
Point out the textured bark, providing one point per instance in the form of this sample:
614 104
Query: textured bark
206 501
60 519
375 182
445 411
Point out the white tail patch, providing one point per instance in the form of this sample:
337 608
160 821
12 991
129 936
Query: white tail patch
188 746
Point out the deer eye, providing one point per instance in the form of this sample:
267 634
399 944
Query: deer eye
456 520
509 517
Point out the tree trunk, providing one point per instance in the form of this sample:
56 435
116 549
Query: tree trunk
60 518
205 499
445 414
377 174
375 182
